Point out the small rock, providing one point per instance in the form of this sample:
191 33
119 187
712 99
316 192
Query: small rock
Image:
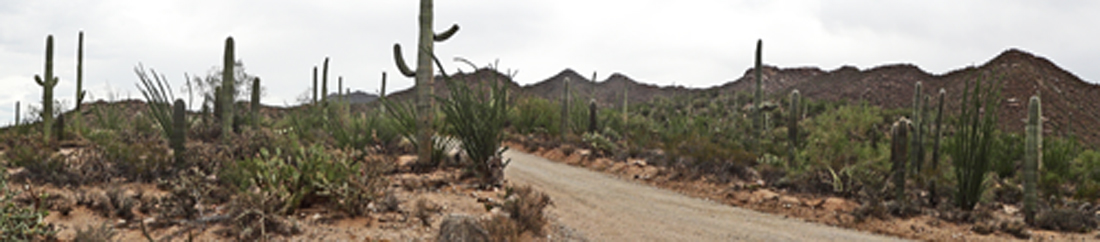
789 201
1011 210
639 163
762 195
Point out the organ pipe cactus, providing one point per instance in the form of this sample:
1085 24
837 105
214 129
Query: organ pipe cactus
179 130
424 76
899 155
1033 156
48 81
792 127
227 91
758 98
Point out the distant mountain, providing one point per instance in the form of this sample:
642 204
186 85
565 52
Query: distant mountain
357 97
1069 103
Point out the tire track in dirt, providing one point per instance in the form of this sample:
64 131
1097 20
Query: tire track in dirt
605 208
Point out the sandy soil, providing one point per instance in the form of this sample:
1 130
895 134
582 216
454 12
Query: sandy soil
609 209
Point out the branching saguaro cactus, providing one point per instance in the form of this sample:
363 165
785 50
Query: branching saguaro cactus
592 125
424 76
792 127
758 99
179 130
916 142
227 91
48 81
255 109
1033 156
899 155
936 137
80 92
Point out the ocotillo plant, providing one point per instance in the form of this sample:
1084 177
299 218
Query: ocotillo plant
973 140
255 109
757 99
792 127
48 82
179 130
315 84
565 108
936 137
898 155
80 92
918 124
424 76
227 91
592 126
1032 157
324 83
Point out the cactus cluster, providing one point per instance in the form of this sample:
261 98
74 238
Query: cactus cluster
1033 156
48 81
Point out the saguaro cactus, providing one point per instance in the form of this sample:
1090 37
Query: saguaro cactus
424 76
592 126
382 93
340 87
758 98
1033 156
792 126
324 83
898 155
80 92
917 143
227 90
315 84
48 82
936 137
255 109
626 114
179 130
565 107
17 113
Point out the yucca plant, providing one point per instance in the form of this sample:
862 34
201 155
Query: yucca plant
971 146
477 118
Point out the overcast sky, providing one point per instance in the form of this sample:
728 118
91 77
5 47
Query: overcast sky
695 43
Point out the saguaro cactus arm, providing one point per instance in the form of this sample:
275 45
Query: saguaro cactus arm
399 59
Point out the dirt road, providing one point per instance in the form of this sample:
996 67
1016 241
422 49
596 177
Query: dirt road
605 208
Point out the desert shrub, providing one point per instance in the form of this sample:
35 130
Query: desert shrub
1065 219
19 222
92 233
525 210
972 144
535 115
460 228
139 158
600 143
476 117
304 175
1007 152
844 142
1058 154
1086 170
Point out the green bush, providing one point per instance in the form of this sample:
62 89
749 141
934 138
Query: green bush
845 142
1058 154
304 174
1007 152
535 115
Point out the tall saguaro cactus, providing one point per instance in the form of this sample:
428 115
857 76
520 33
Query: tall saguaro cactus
227 91
324 83
80 92
592 125
917 141
898 155
424 76
936 137
565 108
48 81
315 84
758 98
382 93
179 130
255 108
1033 156
792 126
17 113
